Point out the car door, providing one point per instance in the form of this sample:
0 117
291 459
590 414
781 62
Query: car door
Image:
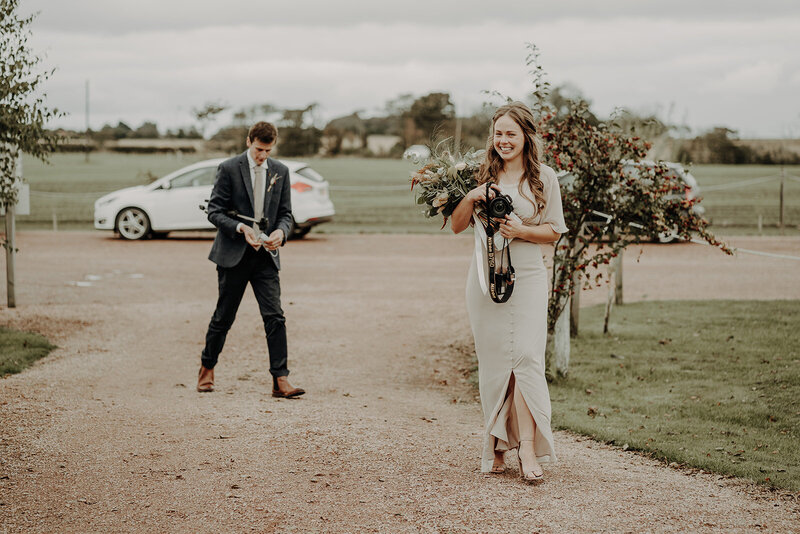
178 206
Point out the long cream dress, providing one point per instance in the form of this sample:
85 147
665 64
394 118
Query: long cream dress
511 337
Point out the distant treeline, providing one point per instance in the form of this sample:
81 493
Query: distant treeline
408 120
720 145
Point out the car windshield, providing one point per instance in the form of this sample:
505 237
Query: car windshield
311 174
195 178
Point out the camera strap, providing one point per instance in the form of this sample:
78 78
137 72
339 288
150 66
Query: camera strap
501 284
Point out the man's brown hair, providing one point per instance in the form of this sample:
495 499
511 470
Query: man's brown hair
263 131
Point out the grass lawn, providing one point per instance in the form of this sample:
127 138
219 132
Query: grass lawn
713 385
18 350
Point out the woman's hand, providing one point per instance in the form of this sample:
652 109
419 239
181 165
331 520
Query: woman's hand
478 195
510 228
462 215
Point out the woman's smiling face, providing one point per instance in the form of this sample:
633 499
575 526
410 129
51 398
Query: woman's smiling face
508 138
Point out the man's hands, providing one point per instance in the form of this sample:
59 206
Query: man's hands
274 240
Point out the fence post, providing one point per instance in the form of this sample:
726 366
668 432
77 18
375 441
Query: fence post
618 278
610 300
783 179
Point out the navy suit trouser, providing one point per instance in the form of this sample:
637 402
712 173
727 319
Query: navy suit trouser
257 269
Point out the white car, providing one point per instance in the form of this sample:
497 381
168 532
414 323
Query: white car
417 153
176 201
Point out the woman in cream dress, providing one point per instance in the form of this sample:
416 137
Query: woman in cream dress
510 338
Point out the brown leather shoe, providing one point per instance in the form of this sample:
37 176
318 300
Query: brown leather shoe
205 380
283 389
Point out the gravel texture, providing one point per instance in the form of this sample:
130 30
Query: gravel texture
108 434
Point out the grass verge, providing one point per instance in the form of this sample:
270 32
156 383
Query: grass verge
18 350
713 385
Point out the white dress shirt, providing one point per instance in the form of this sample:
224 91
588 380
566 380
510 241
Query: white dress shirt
252 166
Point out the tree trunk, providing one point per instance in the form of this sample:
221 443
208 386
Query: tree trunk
618 278
10 253
574 306
561 344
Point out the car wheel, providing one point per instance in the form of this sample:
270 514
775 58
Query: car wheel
299 233
669 237
133 224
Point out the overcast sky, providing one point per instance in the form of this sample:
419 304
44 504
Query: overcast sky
699 63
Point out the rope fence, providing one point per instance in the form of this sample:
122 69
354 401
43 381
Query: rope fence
741 183
371 188
65 194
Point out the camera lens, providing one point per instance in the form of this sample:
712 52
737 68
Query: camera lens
500 206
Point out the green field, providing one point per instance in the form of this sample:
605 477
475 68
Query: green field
741 206
370 195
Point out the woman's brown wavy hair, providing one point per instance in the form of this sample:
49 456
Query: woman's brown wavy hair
493 164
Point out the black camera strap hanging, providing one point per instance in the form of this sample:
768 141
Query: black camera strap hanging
501 284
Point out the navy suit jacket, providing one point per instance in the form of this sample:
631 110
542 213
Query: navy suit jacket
233 190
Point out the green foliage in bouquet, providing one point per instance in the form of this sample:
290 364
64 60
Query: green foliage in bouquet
445 180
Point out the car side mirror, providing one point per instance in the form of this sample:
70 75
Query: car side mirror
165 186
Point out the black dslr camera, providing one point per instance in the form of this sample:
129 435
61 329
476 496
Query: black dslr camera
499 206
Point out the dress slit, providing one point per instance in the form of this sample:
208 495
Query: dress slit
504 426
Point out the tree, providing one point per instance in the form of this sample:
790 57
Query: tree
120 131
259 112
336 130
606 208
429 113
148 130
564 96
297 134
23 113
230 139
475 128
205 114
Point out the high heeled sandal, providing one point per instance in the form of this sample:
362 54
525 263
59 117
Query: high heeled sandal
528 478
498 469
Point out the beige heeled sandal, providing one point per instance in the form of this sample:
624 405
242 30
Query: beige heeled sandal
528 478
498 469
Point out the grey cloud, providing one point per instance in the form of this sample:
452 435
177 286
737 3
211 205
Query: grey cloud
712 70
111 17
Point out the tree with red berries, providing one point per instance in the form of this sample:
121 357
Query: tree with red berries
606 206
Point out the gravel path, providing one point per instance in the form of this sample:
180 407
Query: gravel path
108 434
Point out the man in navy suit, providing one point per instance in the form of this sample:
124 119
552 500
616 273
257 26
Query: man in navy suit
255 186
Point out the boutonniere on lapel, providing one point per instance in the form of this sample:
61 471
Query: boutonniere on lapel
272 179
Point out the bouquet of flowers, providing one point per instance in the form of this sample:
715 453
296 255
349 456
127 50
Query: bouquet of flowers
445 180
